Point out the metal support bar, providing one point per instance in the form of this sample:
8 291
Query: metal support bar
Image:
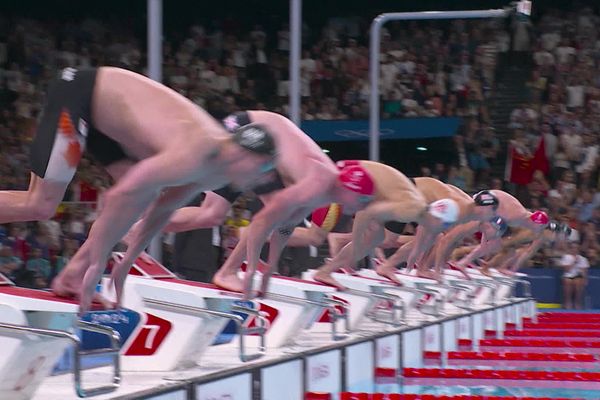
512 282
453 291
374 51
239 321
295 46
336 316
440 299
154 28
327 303
382 296
494 289
78 354
395 315
113 351
469 289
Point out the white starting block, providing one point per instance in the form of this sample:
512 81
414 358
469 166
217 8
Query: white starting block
508 284
327 305
178 319
434 297
505 285
390 303
485 291
150 286
35 329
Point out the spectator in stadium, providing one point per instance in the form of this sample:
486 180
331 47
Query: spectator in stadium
9 263
574 277
39 267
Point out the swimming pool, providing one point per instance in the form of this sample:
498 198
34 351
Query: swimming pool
443 388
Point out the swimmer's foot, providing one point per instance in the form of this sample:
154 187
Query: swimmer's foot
506 272
428 274
327 279
388 273
461 269
229 282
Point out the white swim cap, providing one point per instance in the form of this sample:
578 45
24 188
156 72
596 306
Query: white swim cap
445 209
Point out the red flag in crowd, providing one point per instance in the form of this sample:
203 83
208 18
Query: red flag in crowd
520 168
540 161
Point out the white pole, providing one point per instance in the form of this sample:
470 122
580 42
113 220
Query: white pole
376 26
295 45
154 32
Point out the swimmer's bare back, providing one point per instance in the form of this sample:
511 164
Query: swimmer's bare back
144 116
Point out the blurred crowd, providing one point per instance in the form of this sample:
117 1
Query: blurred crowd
562 118
428 69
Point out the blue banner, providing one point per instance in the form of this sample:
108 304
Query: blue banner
406 128
546 285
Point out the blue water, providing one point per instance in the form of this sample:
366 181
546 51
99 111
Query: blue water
476 390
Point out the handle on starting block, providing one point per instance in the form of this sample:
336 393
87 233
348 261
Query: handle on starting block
243 331
78 353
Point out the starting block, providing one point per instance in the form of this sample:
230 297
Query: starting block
486 287
506 285
35 329
434 296
151 289
389 303
172 321
326 305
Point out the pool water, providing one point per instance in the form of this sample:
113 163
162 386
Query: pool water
444 389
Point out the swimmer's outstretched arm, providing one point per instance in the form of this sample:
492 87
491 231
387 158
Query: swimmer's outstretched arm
423 242
522 236
277 242
485 248
399 255
155 219
380 255
282 207
212 212
526 254
126 201
450 240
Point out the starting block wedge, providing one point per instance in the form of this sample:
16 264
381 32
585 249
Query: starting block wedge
36 327
388 303
174 321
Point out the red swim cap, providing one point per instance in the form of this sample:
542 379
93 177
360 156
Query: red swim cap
539 217
327 217
355 178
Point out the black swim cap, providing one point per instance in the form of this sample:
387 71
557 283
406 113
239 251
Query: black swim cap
554 226
255 138
559 228
499 224
485 198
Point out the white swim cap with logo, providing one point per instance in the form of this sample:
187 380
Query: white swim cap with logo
445 209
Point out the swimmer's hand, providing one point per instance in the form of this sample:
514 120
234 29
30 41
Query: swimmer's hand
119 273
88 288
